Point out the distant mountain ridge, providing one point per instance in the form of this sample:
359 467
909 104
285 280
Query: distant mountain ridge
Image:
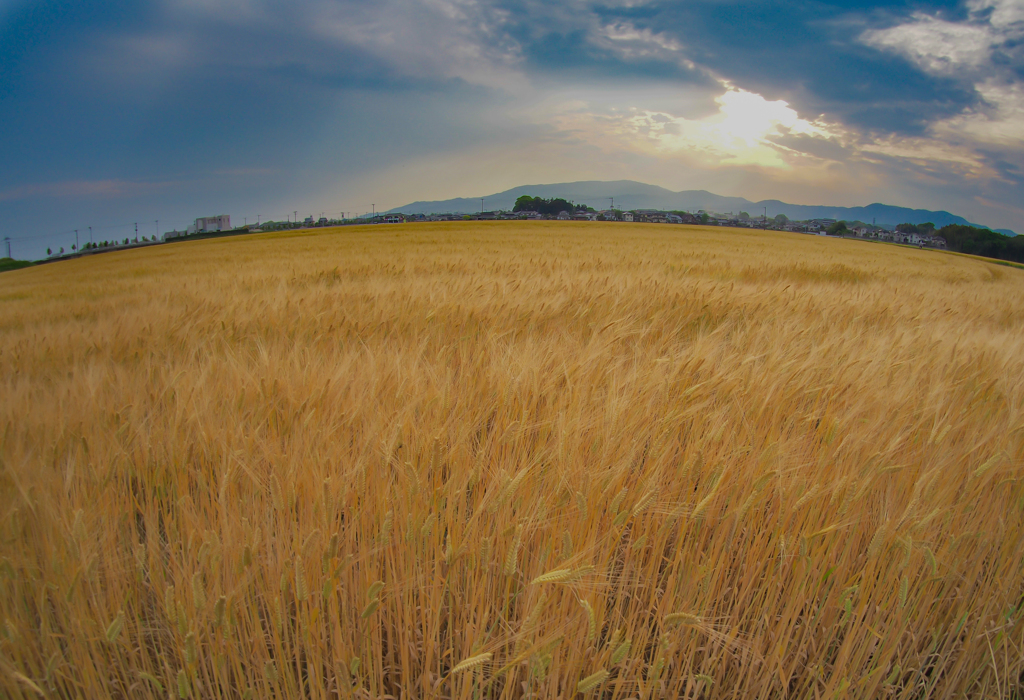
629 194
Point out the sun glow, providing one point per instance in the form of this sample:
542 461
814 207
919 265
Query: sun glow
740 132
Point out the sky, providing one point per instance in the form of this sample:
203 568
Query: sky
155 112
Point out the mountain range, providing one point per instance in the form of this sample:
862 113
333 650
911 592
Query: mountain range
629 194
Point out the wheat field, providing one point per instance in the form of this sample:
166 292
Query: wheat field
506 460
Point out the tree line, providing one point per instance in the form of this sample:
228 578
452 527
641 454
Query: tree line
981 241
548 207
972 240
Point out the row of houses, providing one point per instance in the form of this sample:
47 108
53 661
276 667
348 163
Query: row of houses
918 239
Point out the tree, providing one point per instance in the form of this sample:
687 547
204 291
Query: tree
524 203
62 250
49 252
980 241
744 216
550 207
703 217
781 219
837 229
906 228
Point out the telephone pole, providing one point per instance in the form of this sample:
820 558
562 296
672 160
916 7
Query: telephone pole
76 240
90 234
7 240
296 218
481 205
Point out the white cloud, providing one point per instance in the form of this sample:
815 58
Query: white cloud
941 47
999 123
1005 14
631 43
964 51
937 46
743 130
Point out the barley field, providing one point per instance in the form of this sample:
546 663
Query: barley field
504 460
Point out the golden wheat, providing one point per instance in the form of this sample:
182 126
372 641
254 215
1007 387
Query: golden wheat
323 464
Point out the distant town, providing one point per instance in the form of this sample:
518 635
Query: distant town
953 237
209 226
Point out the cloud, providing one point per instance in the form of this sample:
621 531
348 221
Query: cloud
1001 14
750 97
983 44
745 129
385 42
937 46
984 50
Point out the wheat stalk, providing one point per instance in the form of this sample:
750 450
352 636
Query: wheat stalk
592 681
564 575
471 662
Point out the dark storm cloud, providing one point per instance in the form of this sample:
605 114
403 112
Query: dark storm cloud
805 52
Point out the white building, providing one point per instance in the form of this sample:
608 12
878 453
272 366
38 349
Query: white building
207 224
627 216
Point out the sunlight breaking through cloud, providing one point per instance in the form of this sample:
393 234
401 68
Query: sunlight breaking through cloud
740 132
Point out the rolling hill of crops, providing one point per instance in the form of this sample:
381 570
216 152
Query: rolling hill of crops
506 460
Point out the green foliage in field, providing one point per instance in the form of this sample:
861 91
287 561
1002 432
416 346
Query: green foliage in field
12 264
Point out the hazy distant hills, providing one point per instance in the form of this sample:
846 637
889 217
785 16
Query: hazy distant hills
638 195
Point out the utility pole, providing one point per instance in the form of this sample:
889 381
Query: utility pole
374 215
764 221
136 230
90 234
76 240
296 218
156 225
481 205
7 240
